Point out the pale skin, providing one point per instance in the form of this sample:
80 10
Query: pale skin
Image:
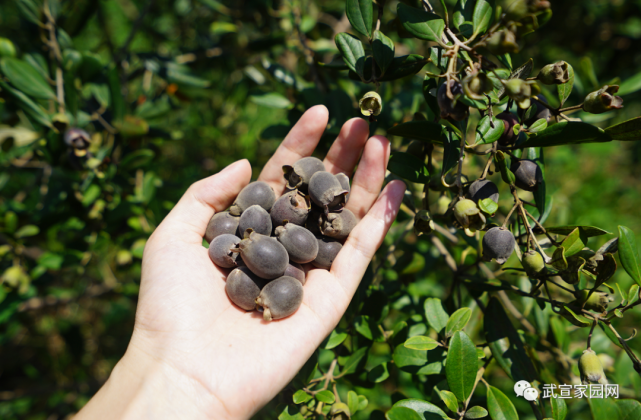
193 353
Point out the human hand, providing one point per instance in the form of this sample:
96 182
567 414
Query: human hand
193 352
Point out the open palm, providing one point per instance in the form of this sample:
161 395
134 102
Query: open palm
230 362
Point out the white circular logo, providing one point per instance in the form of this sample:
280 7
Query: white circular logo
520 387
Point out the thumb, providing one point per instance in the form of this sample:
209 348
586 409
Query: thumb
188 220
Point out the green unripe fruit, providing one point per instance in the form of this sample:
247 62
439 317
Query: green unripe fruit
590 368
502 42
442 204
519 90
468 215
533 262
280 298
7 49
423 223
340 411
475 85
299 174
255 193
603 100
595 301
554 74
371 104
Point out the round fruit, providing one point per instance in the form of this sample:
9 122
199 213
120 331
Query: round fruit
256 218
533 262
296 271
300 243
265 256
590 367
243 287
258 192
457 112
326 191
328 249
338 225
280 298
220 224
509 121
527 173
291 207
299 174
344 180
314 220
482 189
223 250
498 243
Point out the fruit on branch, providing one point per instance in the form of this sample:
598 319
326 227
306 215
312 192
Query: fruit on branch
498 243
255 193
533 263
77 138
328 249
482 189
292 207
223 250
590 368
603 100
508 137
300 243
527 174
520 91
338 225
595 301
339 411
554 74
243 287
423 223
371 104
536 112
296 271
299 174
7 49
468 215
502 42
442 205
476 84
280 298
453 109
519 9
327 192
257 219
221 223
264 256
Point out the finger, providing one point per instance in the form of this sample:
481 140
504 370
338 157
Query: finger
352 261
347 148
300 142
188 219
369 176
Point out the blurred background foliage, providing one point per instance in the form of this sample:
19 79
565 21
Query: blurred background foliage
172 91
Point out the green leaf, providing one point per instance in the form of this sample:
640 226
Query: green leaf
326 396
403 66
565 89
301 396
458 320
354 360
485 134
418 130
538 126
291 412
383 49
628 254
559 408
418 362
605 269
408 166
26 78
608 332
420 342
117 100
633 294
137 158
630 409
367 328
629 130
50 260
461 366
362 402
476 412
424 409
567 132
402 413
483 13
416 264
27 231
630 85
423 25
181 75
589 231
488 206
500 406
574 319
574 242
462 17
604 408
352 402
335 339
435 314
506 344
359 13
272 100
378 373
450 400
351 48
35 111
29 10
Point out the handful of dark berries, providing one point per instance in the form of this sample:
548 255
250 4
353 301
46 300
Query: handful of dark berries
264 240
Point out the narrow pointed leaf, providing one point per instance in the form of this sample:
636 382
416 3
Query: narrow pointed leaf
35 111
461 366
500 406
590 231
568 132
629 130
420 342
26 78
